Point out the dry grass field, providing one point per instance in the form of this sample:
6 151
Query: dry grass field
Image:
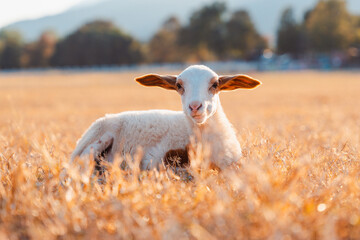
299 177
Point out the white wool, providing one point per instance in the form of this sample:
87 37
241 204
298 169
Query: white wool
220 136
159 131
155 131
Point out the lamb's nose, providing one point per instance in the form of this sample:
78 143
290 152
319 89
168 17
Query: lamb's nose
195 106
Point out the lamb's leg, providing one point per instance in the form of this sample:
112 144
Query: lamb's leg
175 159
101 148
151 160
154 156
178 161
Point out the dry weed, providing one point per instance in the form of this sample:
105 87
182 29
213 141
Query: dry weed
298 179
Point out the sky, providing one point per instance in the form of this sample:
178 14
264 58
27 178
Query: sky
16 10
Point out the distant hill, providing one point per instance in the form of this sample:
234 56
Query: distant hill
141 18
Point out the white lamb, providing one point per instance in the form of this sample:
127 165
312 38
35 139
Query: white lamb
159 131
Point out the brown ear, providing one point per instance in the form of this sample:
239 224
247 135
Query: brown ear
237 81
164 81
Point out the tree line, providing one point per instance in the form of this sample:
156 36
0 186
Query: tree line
325 29
212 33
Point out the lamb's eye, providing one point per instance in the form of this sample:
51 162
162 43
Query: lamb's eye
180 88
215 85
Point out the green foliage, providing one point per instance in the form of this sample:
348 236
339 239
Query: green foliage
329 26
356 20
39 53
242 38
10 49
205 30
97 43
212 33
210 37
290 35
163 47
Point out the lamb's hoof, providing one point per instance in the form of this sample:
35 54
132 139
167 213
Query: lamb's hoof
184 174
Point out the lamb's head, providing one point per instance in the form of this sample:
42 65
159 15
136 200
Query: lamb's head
199 87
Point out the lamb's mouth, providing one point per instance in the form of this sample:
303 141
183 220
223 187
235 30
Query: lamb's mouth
198 118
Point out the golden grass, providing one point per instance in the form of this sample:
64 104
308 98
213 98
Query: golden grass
298 179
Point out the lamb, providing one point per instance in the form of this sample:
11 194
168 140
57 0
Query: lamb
158 132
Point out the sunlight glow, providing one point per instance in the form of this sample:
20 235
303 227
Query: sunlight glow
17 10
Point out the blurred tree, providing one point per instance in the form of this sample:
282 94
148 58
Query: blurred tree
356 41
163 46
97 43
39 53
290 36
242 39
353 52
10 49
329 26
205 31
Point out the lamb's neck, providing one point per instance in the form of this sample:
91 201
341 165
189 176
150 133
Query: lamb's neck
218 124
218 134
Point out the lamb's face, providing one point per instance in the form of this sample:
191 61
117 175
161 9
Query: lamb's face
199 89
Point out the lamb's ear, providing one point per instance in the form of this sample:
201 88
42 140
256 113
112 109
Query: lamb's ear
164 81
237 81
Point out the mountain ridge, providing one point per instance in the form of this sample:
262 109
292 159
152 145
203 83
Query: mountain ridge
142 18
